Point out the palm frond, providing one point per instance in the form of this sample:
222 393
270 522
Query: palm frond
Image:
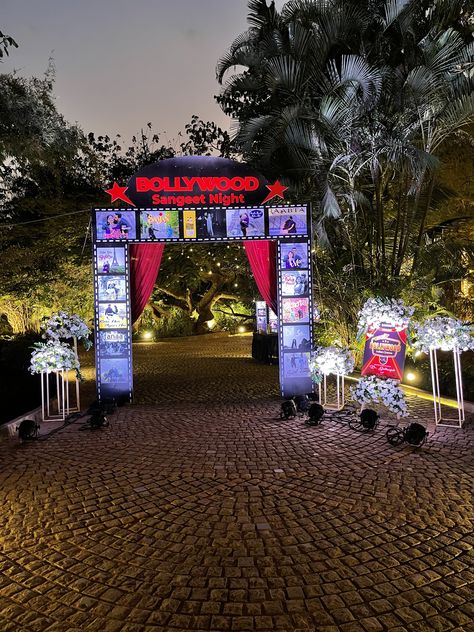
249 130
329 204
355 72
443 51
322 236
300 39
241 83
261 15
457 114
393 10
284 72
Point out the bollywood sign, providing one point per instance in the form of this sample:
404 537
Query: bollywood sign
384 353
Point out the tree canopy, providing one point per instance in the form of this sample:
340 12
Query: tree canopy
352 104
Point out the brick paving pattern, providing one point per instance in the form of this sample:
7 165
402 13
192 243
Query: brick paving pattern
197 509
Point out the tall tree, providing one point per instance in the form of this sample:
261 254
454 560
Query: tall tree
351 103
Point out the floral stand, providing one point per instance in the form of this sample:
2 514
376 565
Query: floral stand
56 360
327 361
323 395
60 408
447 334
456 422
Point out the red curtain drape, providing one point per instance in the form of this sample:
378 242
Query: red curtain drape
262 258
145 260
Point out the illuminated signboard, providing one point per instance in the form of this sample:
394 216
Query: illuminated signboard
384 352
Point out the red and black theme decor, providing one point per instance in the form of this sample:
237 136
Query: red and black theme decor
199 199
384 352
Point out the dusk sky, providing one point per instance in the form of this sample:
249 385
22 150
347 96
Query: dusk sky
122 63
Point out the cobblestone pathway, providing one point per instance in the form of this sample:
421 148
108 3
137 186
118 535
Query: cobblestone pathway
198 510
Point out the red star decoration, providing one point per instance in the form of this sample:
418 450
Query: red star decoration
276 190
118 193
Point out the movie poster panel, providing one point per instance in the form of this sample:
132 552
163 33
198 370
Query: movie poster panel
296 338
111 288
294 256
113 316
189 224
287 221
296 365
245 222
272 321
210 223
114 343
294 283
110 260
295 310
384 353
116 225
159 225
261 314
114 371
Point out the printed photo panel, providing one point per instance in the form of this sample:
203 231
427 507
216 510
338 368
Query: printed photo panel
189 225
296 365
294 283
116 225
294 256
296 338
111 288
113 315
287 221
295 310
114 343
114 371
211 223
245 222
110 260
159 224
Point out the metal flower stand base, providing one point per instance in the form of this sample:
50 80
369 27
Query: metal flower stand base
62 407
439 419
77 407
323 398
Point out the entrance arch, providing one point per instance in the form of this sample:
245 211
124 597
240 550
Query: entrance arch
198 200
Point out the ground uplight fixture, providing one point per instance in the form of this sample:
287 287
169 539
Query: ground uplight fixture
28 429
411 377
288 409
414 434
315 414
366 421
242 329
147 335
369 419
302 403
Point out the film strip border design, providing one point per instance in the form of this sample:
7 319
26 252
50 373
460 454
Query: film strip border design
200 224
295 315
113 330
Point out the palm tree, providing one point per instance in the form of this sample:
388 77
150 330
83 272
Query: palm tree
349 102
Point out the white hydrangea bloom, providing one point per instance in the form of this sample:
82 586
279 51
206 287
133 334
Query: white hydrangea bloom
445 333
375 390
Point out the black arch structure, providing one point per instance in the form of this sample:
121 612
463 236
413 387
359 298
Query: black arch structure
114 229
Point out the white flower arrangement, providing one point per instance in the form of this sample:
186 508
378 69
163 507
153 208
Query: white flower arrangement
62 326
53 356
375 390
442 332
378 310
327 360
